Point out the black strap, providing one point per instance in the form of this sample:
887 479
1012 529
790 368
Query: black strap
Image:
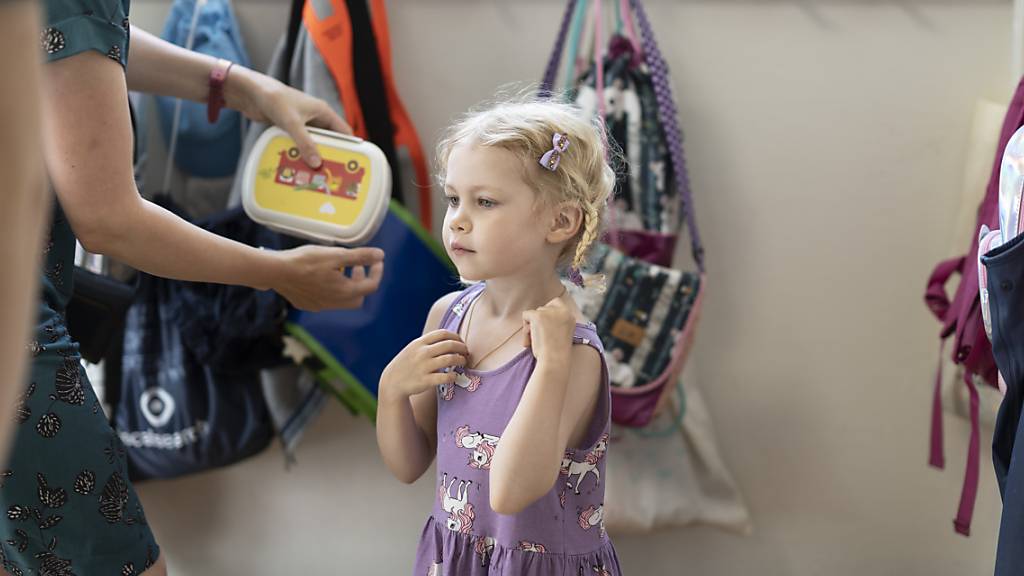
292 38
369 79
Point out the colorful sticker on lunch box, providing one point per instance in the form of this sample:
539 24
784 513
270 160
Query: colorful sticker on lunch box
335 193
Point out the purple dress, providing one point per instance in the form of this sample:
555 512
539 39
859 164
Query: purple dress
560 534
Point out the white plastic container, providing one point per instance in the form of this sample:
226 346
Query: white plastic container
343 202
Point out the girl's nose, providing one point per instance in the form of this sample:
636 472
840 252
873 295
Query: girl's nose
458 222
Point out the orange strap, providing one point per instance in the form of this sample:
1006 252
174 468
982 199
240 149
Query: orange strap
405 131
333 39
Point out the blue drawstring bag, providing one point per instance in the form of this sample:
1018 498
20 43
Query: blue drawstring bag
190 398
204 149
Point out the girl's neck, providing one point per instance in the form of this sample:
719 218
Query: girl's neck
510 296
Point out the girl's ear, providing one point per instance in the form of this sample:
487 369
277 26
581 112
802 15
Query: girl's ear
566 221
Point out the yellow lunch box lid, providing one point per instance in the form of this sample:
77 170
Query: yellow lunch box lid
344 201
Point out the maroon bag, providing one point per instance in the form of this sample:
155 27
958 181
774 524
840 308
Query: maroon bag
961 319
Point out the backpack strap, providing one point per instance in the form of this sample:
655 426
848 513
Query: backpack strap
551 71
935 295
669 117
405 131
969 492
291 37
332 37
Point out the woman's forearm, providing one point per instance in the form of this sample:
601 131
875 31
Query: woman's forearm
159 67
148 237
156 66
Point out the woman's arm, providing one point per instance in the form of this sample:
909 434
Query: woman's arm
159 67
25 199
87 139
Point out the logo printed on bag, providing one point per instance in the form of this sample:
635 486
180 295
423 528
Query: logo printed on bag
157 406
628 332
167 441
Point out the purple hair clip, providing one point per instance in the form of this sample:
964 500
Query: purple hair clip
551 158
575 277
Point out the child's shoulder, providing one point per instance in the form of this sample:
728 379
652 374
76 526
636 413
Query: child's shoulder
442 305
445 302
440 309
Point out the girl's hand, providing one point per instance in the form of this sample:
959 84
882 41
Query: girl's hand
549 329
265 99
313 277
416 367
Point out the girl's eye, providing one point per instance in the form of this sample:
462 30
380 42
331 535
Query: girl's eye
485 203
453 201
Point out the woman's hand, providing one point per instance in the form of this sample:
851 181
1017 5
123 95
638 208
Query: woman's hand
549 330
417 367
264 99
313 279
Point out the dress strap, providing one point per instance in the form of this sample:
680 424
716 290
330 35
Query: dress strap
453 316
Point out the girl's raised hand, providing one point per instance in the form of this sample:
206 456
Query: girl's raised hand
548 330
418 366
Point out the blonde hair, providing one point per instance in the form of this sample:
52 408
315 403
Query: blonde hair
525 126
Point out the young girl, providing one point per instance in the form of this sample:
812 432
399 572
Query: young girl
508 385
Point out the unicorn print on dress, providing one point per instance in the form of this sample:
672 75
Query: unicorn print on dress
481 447
593 516
531 547
484 546
588 465
468 383
460 511
598 570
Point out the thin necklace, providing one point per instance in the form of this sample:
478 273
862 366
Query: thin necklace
469 323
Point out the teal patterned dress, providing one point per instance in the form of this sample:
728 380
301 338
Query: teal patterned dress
67 505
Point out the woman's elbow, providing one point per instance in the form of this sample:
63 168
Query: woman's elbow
93 233
100 231
93 242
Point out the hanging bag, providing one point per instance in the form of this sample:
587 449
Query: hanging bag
962 320
648 314
207 149
190 397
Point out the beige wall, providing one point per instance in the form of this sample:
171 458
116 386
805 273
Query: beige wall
825 143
